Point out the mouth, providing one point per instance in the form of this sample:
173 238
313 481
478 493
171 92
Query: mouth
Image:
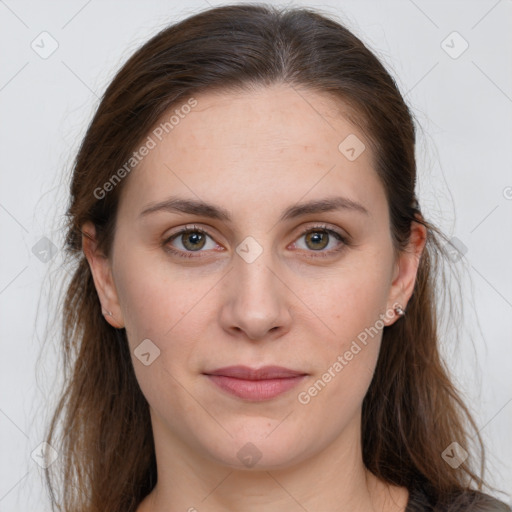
255 384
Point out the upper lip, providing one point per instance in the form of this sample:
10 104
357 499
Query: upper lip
263 373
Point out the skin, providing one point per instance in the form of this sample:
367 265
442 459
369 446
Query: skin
255 154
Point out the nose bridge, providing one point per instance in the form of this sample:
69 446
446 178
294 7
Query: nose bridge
257 299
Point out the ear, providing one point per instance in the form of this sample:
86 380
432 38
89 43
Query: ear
102 274
406 268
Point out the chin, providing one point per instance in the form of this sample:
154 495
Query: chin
260 452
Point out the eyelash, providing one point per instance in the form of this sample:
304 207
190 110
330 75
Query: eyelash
319 254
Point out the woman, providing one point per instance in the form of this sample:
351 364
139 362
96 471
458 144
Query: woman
252 320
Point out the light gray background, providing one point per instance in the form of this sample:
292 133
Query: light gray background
462 104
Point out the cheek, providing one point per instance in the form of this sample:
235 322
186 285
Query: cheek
171 310
333 399
351 297
168 318
155 296
351 304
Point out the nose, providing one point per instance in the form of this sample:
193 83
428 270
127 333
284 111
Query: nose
256 300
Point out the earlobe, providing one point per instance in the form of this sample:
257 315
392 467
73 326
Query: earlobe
102 276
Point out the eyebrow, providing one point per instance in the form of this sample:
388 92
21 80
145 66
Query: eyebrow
201 208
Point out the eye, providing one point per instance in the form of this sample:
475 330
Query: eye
192 239
317 238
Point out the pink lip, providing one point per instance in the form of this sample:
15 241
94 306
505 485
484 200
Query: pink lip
255 384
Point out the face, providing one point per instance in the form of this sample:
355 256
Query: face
256 279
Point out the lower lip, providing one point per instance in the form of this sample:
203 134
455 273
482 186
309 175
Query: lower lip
255 390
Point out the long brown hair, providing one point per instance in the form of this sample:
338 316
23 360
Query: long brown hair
412 411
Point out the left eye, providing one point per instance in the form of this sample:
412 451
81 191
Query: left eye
194 239
317 239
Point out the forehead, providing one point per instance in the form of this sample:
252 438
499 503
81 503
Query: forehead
276 116
258 146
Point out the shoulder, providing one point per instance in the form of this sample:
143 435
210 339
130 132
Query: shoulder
464 501
475 501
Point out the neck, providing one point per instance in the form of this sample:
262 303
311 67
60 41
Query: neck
334 479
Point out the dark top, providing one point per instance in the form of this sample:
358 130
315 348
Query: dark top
473 501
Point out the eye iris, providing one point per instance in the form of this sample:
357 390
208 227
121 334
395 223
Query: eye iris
318 237
194 237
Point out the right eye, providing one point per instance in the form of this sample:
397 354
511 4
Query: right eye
192 239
